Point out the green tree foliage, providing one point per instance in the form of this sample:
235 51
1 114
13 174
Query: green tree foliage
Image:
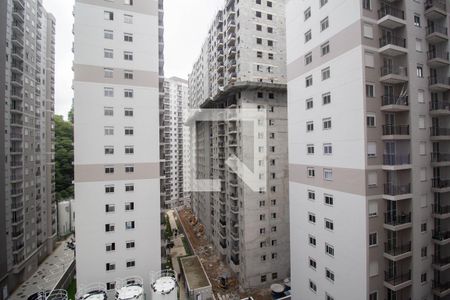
63 158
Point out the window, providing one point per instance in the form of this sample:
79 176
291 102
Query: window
373 208
108 53
127 55
131 264
309 126
129 206
108 34
128 19
368 31
258 1
423 227
312 240
329 224
311 218
329 249
421 96
259 41
416 20
329 274
327 149
325 48
128 93
309 103
108 92
108 73
110 247
128 37
325 73
327 174
109 150
367 4
129 187
129 225
308 58
110 267
129 149
312 286
309 81
326 98
129 169
130 244
263 278
109 227
263 257
372 179
373 239
129 131
128 112
269 43
311 195
128 74
424 251
109 170
328 297
308 36
310 149
370 90
259 54
108 15
307 13
269 17
270 56
373 296
109 130
420 71
328 199
423 277
323 2
419 45
310 171
421 122
109 208
324 24
371 149
128 2
274 255
326 123
312 263
258 14
369 60
371 121
269 30
108 111
269 3
109 189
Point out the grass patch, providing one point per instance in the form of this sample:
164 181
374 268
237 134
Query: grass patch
187 247
168 232
72 290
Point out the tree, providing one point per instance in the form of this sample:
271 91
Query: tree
63 157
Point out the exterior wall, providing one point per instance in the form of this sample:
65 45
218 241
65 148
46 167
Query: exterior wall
91 178
27 178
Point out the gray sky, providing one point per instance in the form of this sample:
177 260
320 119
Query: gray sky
186 23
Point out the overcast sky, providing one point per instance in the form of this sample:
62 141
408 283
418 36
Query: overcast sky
186 23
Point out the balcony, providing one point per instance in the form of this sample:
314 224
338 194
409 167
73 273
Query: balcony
439 108
397 191
394 162
16 192
441 263
435 9
396 253
441 237
436 34
437 133
394 103
396 222
438 58
235 259
394 74
392 46
223 244
16 220
397 281
439 83
441 289
391 17
395 132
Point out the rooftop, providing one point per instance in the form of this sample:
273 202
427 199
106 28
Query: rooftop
194 273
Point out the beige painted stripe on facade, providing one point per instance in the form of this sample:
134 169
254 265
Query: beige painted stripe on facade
147 7
96 173
89 73
342 42
352 181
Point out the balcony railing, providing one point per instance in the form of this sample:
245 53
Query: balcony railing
441 210
440 4
439 105
438 54
396 279
388 10
438 80
395 129
438 131
441 235
397 250
436 29
396 159
394 70
439 183
441 261
394 100
393 40
441 287
395 220
395 190
440 157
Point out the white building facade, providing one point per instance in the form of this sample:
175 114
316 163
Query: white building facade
117 157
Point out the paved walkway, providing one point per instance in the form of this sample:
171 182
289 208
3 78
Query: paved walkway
48 274
177 251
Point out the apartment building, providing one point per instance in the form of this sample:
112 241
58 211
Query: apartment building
118 81
175 135
368 85
242 66
28 207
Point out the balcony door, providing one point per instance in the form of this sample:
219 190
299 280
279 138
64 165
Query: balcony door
391 209
387 35
388 65
391 238
391 295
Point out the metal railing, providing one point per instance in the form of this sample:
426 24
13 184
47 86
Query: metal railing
395 129
394 100
395 190
396 159
387 10
394 70
438 131
396 279
393 40
397 219
397 250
